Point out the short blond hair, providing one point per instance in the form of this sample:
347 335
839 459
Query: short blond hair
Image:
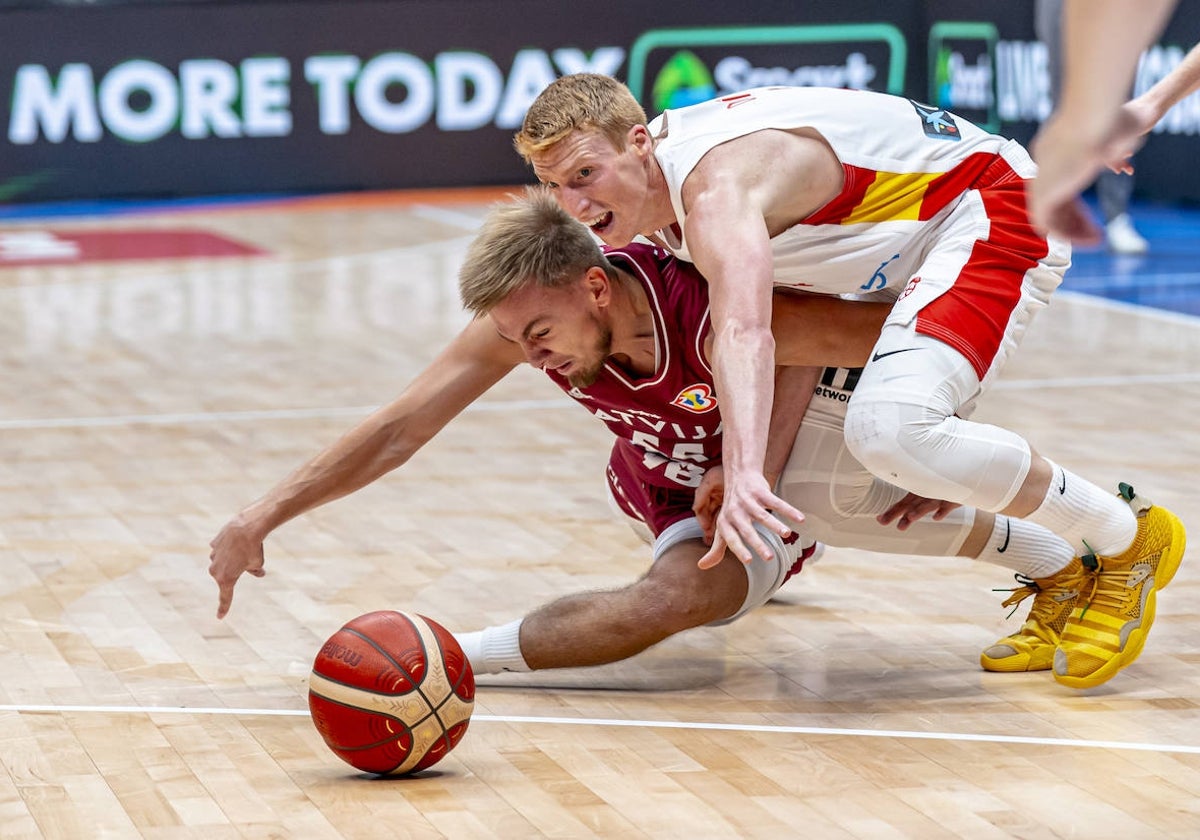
579 101
529 240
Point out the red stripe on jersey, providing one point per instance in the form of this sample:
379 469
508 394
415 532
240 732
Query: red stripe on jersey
855 183
948 186
973 314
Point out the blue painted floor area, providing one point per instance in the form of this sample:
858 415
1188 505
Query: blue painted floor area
120 207
1167 277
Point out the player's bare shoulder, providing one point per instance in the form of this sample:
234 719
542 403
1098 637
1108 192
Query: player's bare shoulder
785 174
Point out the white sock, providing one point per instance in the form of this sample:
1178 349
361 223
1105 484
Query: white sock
1026 547
494 650
1085 516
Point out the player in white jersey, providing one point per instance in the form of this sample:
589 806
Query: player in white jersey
621 336
835 191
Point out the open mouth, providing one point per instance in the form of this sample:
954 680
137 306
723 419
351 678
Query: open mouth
601 223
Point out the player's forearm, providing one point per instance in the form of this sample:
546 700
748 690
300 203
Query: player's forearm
1102 40
793 391
824 330
745 389
1173 87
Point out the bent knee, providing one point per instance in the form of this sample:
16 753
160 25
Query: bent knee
876 435
679 595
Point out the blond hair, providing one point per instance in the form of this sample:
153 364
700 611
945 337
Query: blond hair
530 240
589 101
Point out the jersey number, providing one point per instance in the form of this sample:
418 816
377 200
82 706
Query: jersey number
682 465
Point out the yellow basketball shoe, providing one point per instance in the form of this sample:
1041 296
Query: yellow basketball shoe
1107 629
1032 647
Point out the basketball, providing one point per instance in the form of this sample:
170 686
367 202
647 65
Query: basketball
391 692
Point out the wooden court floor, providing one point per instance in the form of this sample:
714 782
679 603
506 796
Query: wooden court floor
145 400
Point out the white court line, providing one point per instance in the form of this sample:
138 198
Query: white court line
899 734
189 418
1166 277
448 216
1096 381
1152 313
199 417
35 275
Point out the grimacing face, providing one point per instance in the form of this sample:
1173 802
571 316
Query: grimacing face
557 329
604 187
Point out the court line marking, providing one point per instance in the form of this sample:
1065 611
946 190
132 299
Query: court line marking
189 418
1095 381
899 734
186 418
1101 279
1153 313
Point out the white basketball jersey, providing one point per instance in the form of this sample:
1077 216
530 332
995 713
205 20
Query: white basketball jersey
906 167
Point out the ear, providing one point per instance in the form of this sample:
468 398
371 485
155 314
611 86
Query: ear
598 286
638 138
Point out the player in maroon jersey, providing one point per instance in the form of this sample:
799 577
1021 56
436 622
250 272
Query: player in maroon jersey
627 336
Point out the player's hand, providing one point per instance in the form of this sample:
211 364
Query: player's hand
1134 121
912 508
748 499
709 496
236 549
1066 166
1069 159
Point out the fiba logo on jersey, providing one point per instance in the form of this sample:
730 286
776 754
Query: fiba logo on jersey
696 398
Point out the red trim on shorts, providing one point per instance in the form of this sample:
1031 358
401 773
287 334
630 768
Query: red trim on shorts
973 314
856 182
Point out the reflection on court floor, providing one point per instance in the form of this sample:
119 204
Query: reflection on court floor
148 396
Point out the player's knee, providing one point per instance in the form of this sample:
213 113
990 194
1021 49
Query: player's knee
874 434
679 596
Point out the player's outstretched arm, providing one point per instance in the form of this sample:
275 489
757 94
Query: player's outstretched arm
471 364
1180 82
1138 117
1102 40
825 330
743 367
735 198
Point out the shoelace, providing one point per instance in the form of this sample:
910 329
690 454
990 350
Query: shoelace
1109 589
1028 587
1110 596
1042 609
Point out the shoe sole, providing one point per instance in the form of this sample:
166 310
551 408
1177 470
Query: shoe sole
1164 573
1005 666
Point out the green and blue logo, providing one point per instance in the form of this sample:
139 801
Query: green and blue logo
683 80
962 70
670 68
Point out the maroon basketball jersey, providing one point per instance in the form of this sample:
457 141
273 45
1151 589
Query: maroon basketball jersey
667 424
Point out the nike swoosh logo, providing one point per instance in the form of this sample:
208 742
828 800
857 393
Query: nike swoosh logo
1007 534
879 356
1063 489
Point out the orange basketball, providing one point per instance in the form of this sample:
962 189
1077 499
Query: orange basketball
391 692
